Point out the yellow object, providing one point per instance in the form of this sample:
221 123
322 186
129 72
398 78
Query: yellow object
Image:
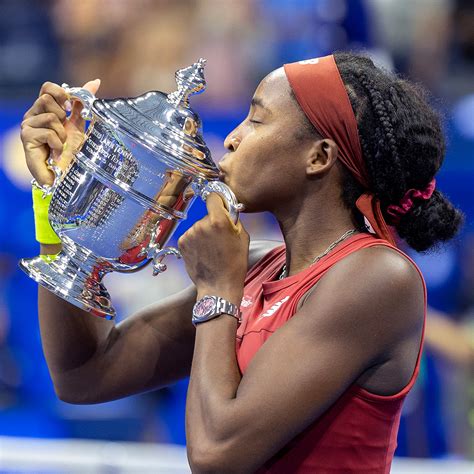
44 233
49 258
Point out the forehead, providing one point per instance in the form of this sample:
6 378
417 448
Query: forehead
274 92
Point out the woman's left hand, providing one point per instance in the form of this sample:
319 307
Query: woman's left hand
215 252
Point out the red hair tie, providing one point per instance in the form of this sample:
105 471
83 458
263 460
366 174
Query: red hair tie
406 203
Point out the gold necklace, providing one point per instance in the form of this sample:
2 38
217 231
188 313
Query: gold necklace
320 256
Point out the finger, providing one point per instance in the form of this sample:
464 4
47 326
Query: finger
183 240
38 144
47 120
215 206
40 172
46 103
218 212
55 91
36 137
75 118
42 136
53 140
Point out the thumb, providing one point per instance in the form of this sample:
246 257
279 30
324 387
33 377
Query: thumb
216 206
75 117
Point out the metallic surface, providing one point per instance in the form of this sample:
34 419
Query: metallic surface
210 306
142 163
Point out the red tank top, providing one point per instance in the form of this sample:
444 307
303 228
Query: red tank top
358 433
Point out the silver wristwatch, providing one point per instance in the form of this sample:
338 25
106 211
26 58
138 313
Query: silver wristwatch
209 307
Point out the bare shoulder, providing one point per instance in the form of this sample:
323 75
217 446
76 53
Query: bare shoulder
382 258
380 272
376 268
377 287
384 269
259 248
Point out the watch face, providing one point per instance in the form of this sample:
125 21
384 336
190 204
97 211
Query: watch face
204 307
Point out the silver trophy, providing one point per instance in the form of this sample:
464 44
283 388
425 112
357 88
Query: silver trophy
141 165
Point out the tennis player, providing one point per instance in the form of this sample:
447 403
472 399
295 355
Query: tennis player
300 353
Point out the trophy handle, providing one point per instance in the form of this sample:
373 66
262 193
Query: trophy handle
202 189
158 266
47 189
84 96
233 206
154 252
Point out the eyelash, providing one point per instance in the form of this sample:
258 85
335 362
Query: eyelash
254 121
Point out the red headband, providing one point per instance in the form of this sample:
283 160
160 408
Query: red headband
319 90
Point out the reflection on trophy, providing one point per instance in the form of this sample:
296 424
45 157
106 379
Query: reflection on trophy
142 163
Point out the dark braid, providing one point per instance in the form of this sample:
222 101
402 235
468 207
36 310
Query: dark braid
384 133
403 148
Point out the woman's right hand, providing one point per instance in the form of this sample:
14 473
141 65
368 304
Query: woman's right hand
46 130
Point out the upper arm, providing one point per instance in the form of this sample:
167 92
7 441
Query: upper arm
361 306
148 350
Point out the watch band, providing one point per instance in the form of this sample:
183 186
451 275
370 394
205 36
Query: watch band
219 306
226 307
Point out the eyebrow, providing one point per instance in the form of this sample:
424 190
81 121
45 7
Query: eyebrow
256 101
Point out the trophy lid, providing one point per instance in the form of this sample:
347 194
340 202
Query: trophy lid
164 123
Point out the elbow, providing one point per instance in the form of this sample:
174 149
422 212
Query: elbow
69 397
213 458
66 398
203 461
75 395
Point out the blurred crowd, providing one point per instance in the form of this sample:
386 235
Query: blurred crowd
136 45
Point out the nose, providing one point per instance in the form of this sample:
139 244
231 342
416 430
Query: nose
232 142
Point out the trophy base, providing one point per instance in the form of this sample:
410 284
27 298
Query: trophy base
63 277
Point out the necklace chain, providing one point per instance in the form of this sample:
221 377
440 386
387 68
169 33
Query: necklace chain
320 256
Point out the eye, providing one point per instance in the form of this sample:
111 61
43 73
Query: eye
254 121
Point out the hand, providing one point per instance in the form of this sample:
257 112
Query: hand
46 129
215 252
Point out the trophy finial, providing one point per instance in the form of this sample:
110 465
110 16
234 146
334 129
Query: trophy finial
190 81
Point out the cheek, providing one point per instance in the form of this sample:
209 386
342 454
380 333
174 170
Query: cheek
264 168
252 160
249 184
259 173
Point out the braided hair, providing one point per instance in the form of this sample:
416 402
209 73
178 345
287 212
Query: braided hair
403 148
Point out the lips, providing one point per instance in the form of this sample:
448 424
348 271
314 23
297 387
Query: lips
221 172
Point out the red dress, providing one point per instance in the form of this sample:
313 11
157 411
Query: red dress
358 433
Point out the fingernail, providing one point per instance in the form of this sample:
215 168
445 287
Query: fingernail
67 106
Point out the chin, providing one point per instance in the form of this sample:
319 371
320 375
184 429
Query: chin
250 206
242 198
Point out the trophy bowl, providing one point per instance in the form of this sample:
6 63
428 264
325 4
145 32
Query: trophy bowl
142 163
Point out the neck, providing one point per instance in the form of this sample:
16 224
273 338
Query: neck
309 230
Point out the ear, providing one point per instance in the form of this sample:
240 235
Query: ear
322 157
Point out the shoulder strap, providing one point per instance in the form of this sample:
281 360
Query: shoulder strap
265 266
306 289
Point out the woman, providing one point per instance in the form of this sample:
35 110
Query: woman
311 374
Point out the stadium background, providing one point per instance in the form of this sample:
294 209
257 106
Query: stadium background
135 46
